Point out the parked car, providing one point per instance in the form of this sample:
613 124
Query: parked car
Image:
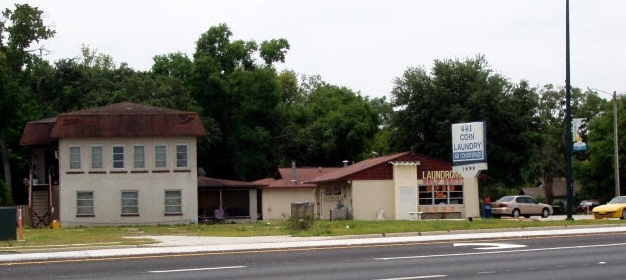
586 206
616 208
519 205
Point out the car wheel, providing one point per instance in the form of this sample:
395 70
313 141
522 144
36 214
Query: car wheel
545 213
623 214
516 213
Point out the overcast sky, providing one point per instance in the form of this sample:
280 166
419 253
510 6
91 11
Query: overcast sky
363 45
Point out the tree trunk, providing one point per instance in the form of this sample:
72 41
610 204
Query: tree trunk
5 165
548 181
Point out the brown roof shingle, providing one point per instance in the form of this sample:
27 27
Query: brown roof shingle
208 182
304 175
115 120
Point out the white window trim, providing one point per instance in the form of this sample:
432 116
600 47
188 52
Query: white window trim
92 205
143 159
122 203
123 157
187 166
155 156
180 191
102 157
69 152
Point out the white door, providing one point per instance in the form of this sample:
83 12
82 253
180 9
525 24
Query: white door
407 202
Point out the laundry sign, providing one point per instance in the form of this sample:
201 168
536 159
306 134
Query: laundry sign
469 143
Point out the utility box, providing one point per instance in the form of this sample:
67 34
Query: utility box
302 209
339 214
8 223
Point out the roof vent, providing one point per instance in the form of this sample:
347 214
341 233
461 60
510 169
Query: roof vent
294 176
345 163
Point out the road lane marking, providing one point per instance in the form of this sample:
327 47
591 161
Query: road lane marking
500 252
196 269
491 246
415 277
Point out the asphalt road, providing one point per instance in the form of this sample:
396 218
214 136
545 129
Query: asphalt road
585 256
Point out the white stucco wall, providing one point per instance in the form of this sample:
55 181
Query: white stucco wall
369 197
149 182
277 201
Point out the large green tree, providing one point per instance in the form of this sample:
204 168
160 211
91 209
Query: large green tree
457 91
324 124
240 97
20 30
549 162
596 172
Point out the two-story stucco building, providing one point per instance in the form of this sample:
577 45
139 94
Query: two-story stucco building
123 163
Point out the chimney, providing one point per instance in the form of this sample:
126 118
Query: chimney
345 163
294 176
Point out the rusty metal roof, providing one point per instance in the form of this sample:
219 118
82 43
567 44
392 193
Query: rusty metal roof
115 120
208 182
284 177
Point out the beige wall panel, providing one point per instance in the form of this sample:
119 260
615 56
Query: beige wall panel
277 202
370 197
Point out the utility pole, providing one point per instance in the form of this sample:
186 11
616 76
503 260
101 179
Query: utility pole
568 120
615 145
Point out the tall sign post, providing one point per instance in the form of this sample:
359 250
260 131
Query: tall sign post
469 157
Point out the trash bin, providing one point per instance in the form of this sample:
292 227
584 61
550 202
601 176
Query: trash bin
487 211
8 223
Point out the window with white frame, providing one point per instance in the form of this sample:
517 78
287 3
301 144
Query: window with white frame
173 202
181 155
118 157
96 157
130 203
139 157
84 204
74 157
160 156
440 194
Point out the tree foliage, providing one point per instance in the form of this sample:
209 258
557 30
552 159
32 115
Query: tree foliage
327 124
20 28
456 91
596 172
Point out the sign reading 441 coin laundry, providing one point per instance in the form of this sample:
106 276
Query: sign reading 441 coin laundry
469 143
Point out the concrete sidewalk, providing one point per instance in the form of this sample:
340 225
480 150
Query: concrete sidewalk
196 244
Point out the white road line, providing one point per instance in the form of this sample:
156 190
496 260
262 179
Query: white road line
196 269
490 246
415 277
501 252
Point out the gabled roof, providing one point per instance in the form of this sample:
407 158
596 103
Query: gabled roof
207 182
115 120
303 175
379 168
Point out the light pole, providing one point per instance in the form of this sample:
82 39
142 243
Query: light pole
615 146
568 120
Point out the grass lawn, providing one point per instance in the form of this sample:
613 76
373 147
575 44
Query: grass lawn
115 235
